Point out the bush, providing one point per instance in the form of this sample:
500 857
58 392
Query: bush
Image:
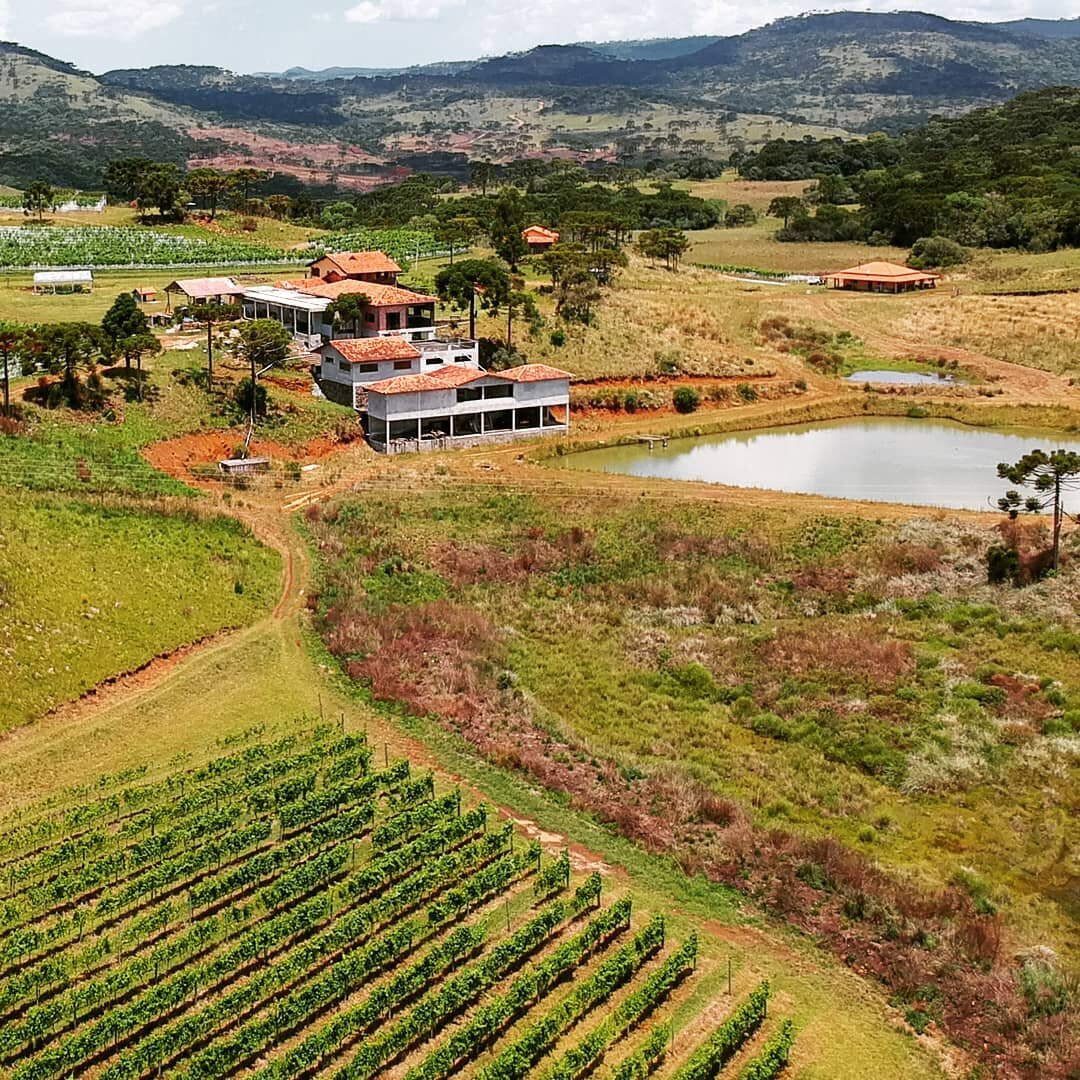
242 397
685 399
1002 564
746 392
932 251
558 338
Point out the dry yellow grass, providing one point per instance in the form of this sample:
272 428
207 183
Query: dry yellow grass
705 323
757 246
756 193
1033 331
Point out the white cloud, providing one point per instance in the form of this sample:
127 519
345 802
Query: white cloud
373 11
5 15
118 20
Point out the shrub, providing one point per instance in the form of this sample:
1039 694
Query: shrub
558 338
685 399
930 251
746 392
242 397
917 412
1002 564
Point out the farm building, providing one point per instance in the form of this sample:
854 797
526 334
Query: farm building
212 290
63 281
144 294
464 406
351 365
375 266
539 239
881 277
302 307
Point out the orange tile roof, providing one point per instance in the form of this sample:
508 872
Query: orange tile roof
375 348
883 271
449 377
378 295
539 232
534 373
361 262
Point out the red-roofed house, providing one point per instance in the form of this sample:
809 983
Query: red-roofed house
882 276
351 365
539 239
454 407
374 266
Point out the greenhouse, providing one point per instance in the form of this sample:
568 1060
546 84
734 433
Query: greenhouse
61 281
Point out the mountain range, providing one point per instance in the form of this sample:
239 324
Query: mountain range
840 73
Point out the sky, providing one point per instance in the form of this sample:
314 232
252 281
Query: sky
271 35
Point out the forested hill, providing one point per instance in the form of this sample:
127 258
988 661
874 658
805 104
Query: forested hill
846 72
855 71
1007 176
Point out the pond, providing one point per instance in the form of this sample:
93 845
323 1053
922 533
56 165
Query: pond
903 378
880 459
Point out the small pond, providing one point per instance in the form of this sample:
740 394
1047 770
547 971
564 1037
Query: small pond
881 459
904 378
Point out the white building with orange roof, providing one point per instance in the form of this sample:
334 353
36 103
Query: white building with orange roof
350 365
463 406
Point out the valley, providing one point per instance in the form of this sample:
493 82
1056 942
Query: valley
506 567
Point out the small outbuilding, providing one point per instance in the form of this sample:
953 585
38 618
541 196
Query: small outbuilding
882 277
63 281
539 238
212 290
144 294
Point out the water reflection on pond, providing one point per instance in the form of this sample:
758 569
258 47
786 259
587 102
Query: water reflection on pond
925 462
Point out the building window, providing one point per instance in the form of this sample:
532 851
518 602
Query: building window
366 369
463 358
466 424
431 361
470 393
503 420
435 427
369 316
528 418
393 320
500 391
344 365
404 429
402 365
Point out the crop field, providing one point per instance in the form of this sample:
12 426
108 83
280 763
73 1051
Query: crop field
409 245
307 907
132 246
833 713
91 590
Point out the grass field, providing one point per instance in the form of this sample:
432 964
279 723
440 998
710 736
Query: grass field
19 303
65 451
264 681
89 590
755 246
694 674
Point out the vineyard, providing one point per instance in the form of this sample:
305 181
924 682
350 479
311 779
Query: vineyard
404 244
80 246
309 907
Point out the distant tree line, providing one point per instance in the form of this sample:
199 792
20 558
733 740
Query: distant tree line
1003 177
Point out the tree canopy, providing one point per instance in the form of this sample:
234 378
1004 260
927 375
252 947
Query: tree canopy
1049 476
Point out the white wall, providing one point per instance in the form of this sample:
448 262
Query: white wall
427 403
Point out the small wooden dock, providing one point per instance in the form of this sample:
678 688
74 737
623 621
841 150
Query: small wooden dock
652 440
